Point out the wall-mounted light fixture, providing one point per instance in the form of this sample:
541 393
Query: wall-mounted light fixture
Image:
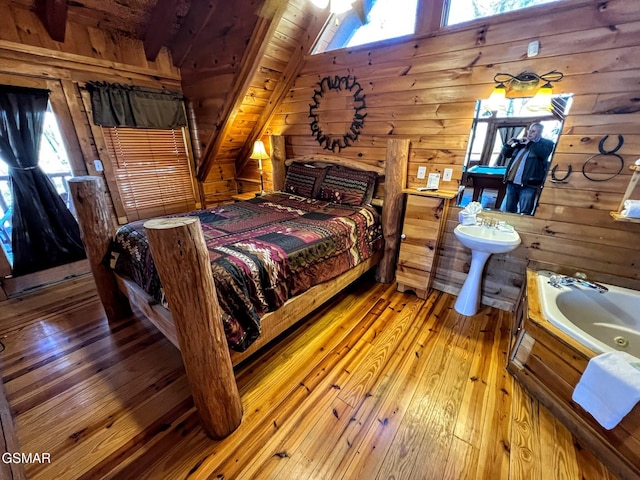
524 82
259 153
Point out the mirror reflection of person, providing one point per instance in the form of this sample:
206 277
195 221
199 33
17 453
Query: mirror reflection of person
526 169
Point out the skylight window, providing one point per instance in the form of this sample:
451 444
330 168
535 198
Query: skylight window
385 19
465 10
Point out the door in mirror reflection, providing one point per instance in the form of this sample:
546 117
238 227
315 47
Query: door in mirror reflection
511 150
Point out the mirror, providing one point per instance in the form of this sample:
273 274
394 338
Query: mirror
498 140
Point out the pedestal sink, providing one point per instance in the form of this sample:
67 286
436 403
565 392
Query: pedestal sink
483 240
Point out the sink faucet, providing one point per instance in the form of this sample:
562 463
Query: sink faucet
578 279
487 221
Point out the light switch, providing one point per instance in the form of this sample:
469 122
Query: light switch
98 165
447 174
422 172
533 49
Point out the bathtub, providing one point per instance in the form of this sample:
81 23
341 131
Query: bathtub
603 322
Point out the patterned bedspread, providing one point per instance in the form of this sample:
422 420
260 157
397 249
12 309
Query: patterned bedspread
263 251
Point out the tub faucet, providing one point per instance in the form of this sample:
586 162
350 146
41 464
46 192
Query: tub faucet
579 279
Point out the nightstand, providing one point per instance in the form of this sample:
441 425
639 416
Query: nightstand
244 196
422 227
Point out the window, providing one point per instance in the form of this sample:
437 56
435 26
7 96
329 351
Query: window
53 161
385 19
152 171
459 11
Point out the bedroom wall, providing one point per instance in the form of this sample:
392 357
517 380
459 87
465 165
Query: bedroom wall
29 58
211 93
425 90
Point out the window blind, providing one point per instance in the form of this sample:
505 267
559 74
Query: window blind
151 170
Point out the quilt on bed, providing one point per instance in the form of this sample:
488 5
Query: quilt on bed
263 251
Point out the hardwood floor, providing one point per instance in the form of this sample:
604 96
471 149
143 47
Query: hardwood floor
378 385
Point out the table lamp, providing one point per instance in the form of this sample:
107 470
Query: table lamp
259 153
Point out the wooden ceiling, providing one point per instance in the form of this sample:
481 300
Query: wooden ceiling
175 24
237 58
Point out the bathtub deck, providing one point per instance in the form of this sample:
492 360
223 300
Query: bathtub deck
550 363
380 384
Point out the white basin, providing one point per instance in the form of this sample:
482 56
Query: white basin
483 241
487 239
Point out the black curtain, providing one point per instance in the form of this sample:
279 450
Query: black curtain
45 233
116 105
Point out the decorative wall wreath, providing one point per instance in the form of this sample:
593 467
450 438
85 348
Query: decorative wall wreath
330 141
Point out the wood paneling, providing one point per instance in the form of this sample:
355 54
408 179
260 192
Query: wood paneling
376 384
422 227
29 58
83 44
425 88
233 117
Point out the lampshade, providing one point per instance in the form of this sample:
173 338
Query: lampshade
542 99
320 3
259 151
498 98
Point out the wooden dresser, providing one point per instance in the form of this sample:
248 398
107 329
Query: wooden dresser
422 227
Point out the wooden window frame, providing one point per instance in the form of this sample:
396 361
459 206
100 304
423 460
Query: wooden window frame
140 173
108 172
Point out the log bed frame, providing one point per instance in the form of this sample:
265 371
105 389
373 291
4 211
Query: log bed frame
194 323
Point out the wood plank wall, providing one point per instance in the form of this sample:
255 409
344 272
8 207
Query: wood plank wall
425 89
29 58
291 27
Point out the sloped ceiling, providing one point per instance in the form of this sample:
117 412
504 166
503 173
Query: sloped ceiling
276 53
182 26
237 58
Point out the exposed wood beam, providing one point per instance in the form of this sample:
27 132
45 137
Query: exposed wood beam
197 18
264 29
284 84
429 16
53 15
160 27
63 62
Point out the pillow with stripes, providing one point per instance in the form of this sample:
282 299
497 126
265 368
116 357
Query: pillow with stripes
347 185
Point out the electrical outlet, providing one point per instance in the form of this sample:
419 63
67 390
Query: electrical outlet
422 172
447 174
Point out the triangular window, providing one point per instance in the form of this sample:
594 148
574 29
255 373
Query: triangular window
377 20
460 11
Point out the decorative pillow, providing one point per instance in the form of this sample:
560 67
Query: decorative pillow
347 185
304 180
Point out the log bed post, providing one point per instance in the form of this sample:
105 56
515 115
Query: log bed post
182 260
395 180
90 203
278 156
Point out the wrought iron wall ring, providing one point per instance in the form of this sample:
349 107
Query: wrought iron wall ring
606 153
330 141
611 175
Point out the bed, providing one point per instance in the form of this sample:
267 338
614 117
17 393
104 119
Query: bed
186 251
